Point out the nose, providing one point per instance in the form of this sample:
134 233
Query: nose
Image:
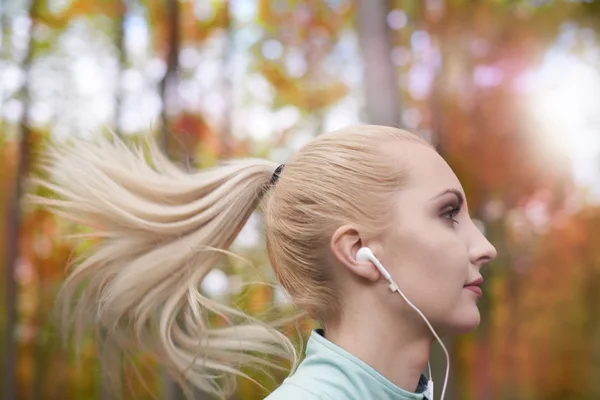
481 251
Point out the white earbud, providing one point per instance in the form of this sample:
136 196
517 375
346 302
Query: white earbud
365 254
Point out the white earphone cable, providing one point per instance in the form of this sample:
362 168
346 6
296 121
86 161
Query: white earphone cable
394 288
364 253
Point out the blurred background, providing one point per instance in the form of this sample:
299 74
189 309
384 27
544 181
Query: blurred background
509 91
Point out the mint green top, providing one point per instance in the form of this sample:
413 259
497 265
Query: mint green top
330 373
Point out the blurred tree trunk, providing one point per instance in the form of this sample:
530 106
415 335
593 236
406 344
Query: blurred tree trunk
381 89
5 22
227 85
436 26
122 55
4 44
168 92
168 85
13 220
110 380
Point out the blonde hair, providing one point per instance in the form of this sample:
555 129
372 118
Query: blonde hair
160 230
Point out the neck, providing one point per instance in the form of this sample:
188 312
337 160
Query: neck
398 351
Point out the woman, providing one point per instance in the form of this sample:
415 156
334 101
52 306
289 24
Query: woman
369 187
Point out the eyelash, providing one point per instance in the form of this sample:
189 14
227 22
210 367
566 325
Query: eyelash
451 214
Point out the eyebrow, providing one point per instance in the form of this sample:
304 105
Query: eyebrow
453 191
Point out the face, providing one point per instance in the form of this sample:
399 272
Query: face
432 249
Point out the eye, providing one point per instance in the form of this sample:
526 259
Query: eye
450 213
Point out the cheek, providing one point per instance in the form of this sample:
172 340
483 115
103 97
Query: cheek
433 252
448 264
432 265
425 253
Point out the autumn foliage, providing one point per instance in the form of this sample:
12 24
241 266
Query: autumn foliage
540 334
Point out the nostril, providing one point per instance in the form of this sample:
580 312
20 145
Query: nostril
486 259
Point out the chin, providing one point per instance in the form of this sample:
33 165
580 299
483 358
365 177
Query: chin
465 321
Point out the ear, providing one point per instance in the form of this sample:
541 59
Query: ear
345 243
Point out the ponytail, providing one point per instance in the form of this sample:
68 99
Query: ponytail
157 232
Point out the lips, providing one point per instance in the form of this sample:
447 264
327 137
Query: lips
475 289
475 286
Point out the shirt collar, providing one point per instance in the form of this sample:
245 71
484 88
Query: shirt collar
318 346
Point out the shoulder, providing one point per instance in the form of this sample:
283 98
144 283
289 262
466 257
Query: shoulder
317 384
291 391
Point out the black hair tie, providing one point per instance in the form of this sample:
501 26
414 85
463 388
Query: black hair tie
276 174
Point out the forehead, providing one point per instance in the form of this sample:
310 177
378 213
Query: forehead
428 172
